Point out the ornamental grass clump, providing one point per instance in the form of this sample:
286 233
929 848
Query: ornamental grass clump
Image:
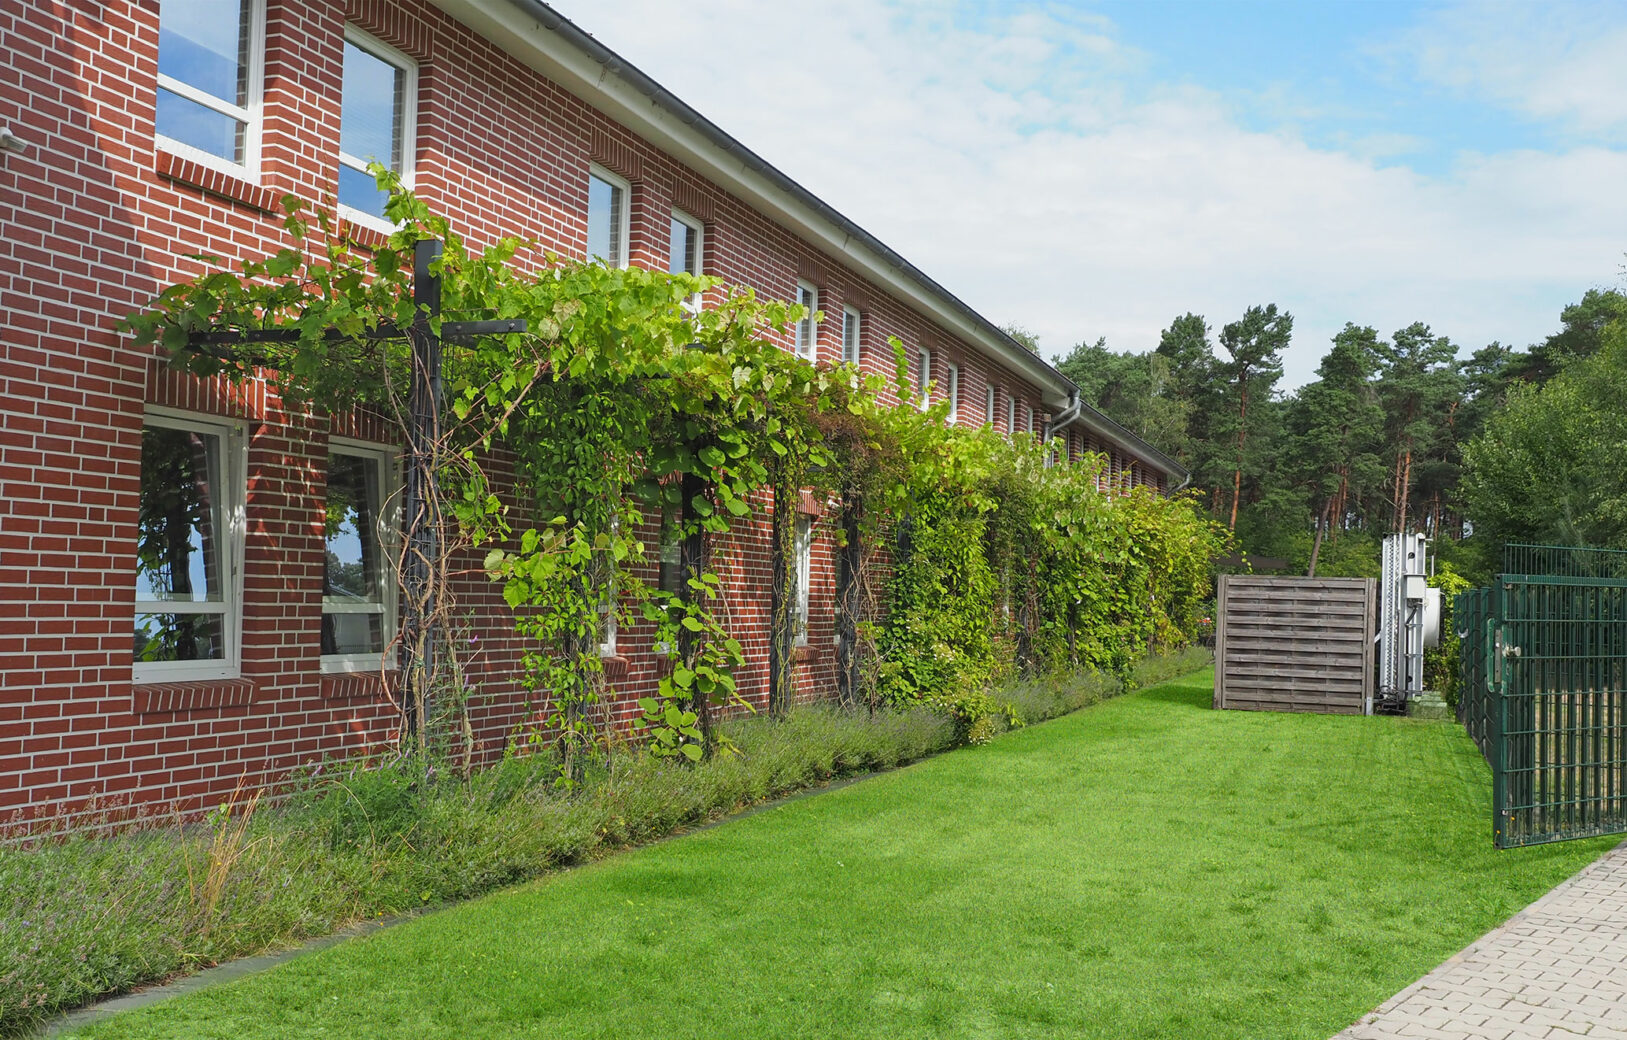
99 912
1162 667
1024 702
102 911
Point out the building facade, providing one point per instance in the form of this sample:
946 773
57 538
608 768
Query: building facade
190 592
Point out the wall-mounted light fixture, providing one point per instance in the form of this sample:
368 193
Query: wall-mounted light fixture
11 142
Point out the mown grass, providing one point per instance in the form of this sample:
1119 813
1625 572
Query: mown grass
92 916
95 915
1149 868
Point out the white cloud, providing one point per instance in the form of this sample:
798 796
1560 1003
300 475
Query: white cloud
1562 62
1001 155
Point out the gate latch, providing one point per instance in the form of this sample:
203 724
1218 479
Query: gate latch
1510 652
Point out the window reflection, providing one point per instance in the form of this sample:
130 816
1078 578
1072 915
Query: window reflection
198 127
204 78
205 44
180 547
803 575
604 221
372 126
179 637
353 573
682 258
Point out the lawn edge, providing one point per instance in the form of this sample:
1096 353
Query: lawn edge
1490 935
63 1023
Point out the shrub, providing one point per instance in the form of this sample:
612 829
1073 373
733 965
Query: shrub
370 803
1441 663
1005 565
1047 696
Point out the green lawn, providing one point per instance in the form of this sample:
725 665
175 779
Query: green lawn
1144 868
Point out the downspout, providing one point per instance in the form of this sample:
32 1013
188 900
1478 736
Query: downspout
1062 419
1071 412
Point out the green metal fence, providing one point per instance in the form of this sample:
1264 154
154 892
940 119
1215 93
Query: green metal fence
1561 561
1544 691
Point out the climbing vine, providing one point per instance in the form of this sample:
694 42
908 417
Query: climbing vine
1008 562
623 419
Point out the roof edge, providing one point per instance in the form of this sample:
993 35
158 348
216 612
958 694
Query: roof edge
892 265
661 116
1097 422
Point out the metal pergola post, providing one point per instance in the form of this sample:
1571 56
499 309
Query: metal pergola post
421 510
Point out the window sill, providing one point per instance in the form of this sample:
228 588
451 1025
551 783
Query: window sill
615 667
231 187
363 236
348 664
806 654
195 695
352 686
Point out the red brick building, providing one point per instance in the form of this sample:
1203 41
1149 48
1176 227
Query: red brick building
138 133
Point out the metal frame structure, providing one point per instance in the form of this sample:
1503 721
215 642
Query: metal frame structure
421 511
1406 622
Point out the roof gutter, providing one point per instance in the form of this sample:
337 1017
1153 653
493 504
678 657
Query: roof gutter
1081 414
1098 423
533 31
655 102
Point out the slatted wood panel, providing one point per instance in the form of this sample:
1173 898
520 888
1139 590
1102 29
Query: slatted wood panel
1295 644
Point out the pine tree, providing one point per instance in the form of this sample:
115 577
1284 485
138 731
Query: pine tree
1253 346
1336 425
1420 387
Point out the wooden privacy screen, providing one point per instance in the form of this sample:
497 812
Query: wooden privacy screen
1295 644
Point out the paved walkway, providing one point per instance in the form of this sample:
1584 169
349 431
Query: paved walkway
1557 969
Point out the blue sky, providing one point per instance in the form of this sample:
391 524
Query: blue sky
1094 169
1334 73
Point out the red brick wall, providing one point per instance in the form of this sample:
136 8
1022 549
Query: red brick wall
94 220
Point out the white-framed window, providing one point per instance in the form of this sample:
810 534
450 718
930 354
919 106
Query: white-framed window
670 572
850 335
189 549
952 387
988 403
684 251
1011 414
607 625
609 199
924 377
804 574
607 606
359 526
378 111
807 327
1028 418
670 577
211 60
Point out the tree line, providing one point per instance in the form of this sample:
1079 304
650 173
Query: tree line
1395 432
